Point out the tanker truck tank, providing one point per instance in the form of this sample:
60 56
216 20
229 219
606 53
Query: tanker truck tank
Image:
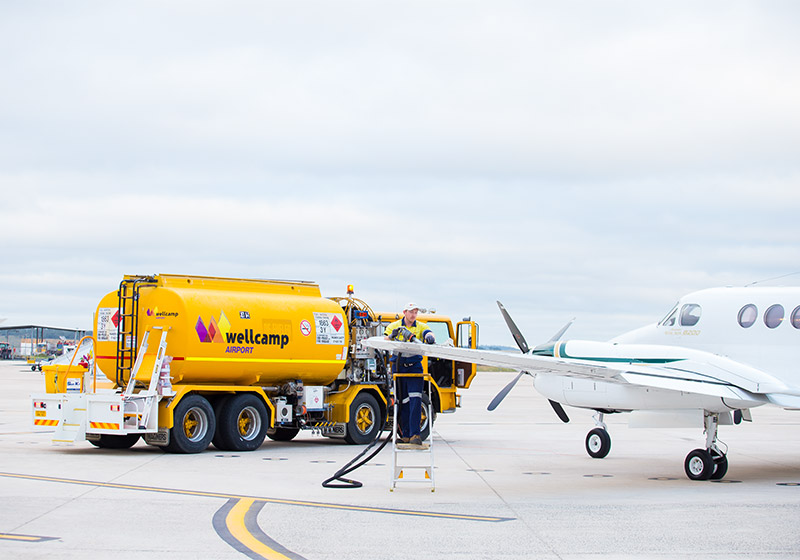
225 331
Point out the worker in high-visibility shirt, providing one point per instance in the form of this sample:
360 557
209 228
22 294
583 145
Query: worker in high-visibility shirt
409 388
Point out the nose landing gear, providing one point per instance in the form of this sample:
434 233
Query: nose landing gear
598 442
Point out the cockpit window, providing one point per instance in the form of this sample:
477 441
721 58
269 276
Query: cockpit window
774 316
796 317
747 315
669 320
690 314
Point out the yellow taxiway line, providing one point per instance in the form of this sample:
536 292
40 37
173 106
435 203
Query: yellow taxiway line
25 538
301 503
236 522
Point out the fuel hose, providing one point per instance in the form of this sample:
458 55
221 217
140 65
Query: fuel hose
337 480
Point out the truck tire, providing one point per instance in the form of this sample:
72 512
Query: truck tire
426 424
219 404
242 424
194 426
109 441
282 434
365 420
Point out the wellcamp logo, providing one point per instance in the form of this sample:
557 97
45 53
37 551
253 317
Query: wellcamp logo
216 331
219 331
248 337
161 314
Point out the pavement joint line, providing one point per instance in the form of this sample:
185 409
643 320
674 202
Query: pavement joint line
533 532
299 503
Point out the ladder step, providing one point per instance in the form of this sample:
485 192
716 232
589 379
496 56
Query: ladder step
401 447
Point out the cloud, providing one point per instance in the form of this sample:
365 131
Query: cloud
571 160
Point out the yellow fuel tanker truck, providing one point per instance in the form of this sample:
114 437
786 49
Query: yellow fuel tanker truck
188 361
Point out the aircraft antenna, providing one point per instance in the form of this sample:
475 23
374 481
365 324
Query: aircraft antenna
771 279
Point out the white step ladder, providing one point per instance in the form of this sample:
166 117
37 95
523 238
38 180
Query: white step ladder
79 411
139 406
407 458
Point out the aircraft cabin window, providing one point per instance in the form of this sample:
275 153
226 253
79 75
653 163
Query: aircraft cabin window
748 315
796 317
774 316
690 314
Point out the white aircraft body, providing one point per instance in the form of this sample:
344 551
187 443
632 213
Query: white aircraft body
717 354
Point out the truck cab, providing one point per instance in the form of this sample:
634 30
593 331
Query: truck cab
447 375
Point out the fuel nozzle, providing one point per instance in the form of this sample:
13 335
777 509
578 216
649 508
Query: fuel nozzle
403 334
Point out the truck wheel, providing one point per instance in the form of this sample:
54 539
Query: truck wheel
365 420
242 424
425 425
193 426
219 404
109 441
282 434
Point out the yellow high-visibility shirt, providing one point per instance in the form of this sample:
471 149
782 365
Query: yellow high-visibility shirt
417 329
405 363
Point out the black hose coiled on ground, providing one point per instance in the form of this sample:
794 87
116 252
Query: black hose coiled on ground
348 482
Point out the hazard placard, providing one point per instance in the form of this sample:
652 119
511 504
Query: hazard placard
107 323
330 328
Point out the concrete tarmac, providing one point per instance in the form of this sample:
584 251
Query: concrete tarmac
513 483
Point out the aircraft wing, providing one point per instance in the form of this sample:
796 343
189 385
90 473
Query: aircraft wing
693 372
495 358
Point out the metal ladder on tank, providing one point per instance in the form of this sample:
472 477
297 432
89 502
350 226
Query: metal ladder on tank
128 314
401 452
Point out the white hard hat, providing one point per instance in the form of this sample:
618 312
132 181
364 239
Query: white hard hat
410 306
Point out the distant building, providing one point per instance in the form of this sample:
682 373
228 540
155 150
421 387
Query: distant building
31 340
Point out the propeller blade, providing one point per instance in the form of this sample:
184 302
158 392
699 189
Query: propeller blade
524 348
502 394
515 332
562 415
559 334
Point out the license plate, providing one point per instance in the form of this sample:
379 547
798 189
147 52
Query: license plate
159 438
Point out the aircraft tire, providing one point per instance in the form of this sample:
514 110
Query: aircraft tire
720 467
699 465
598 443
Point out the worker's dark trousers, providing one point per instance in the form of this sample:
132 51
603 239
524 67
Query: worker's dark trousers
410 396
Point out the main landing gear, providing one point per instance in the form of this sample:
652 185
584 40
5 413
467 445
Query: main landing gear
709 463
598 442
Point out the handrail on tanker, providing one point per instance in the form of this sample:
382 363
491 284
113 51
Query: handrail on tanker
78 347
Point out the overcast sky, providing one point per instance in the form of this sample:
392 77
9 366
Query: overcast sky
589 159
